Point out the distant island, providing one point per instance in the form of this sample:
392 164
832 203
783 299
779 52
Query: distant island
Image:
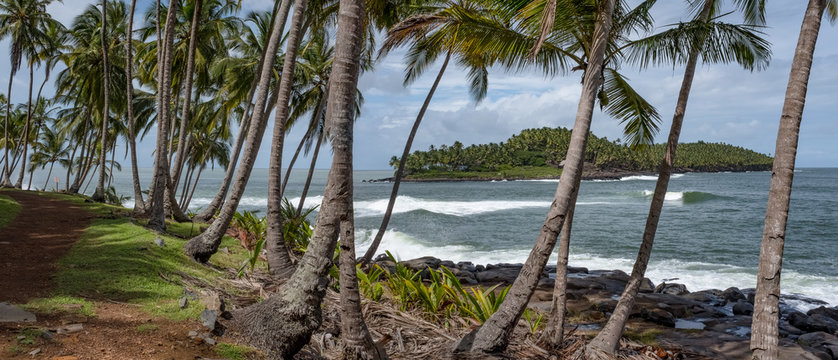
539 154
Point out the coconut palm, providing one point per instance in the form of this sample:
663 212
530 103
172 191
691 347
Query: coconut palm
708 39
49 149
99 193
764 331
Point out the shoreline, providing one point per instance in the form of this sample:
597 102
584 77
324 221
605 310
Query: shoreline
597 175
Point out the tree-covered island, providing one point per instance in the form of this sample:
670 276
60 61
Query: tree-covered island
538 154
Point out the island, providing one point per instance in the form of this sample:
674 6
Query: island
540 153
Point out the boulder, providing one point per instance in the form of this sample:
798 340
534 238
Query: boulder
671 289
583 284
822 310
11 313
797 319
213 301
659 316
496 275
422 263
820 341
743 307
733 295
209 319
647 286
466 266
709 297
816 322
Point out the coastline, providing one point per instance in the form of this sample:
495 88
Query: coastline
598 174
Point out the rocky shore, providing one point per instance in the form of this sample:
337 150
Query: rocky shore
593 174
712 323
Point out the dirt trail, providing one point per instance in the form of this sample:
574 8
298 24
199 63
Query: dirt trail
30 245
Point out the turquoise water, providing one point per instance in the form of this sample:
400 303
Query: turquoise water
708 237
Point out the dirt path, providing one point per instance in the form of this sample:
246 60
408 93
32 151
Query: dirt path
30 245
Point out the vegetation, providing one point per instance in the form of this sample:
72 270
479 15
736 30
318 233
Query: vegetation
8 210
540 152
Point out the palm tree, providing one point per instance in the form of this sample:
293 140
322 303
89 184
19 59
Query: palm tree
713 41
493 335
99 193
201 247
764 331
22 21
139 203
284 323
430 34
48 150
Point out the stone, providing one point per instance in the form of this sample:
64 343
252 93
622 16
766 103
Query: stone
574 283
733 295
193 333
213 301
209 318
671 289
159 242
11 313
829 312
422 263
819 322
34 352
743 307
577 270
647 286
448 264
466 266
659 316
496 274
69 329
708 297
797 319
184 301
209 340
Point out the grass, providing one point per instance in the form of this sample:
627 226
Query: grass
147 328
521 172
116 259
61 304
646 337
234 352
8 210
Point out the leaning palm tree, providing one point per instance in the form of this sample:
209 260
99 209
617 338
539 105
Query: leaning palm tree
493 335
708 39
201 247
139 203
764 331
99 193
432 33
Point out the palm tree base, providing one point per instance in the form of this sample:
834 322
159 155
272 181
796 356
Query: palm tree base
200 248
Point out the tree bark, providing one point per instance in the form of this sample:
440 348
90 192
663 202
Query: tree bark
139 203
51 165
608 339
316 153
493 335
400 172
279 262
99 193
25 142
283 324
187 100
765 332
7 171
553 335
294 160
201 247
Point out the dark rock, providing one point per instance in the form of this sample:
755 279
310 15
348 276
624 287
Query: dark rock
466 266
787 330
496 274
381 257
743 308
577 270
819 322
710 297
659 316
159 242
480 267
583 284
819 340
209 318
465 277
828 312
190 294
422 263
546 283
733 295
605 306
647 286
797 319
448 263
184 301
671 289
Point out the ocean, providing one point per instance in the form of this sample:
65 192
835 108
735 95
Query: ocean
708 237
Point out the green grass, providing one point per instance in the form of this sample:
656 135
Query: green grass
646 337
522 172
116 259
234 352
61 304
8 210
147 328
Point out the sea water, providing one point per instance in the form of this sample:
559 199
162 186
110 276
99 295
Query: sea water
708 236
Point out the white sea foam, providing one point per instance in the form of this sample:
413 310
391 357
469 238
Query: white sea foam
695 275
670 195
647 177
455 208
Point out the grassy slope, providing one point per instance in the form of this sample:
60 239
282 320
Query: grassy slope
8 210
116 259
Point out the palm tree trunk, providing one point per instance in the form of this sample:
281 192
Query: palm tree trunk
294 160
7 171
310 174
139 203
92 175
283 324
201 247
185 186
194 186
400 172
608 338
99 193
160 196
279 262
25 142
765 332
51 164
493 335
83 158
553 335
190 69
110 170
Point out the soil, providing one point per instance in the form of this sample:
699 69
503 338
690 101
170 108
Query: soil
44 230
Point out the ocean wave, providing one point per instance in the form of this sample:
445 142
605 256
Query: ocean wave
456 208
686 197
648 177
695 275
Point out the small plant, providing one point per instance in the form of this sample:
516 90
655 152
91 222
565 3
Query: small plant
475 303
251 231
296 229
433 298
369 282
397 282
534 320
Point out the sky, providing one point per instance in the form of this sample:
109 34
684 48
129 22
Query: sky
727 104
